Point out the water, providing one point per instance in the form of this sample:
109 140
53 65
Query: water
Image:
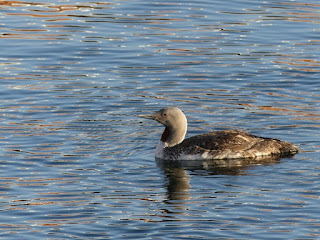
76 162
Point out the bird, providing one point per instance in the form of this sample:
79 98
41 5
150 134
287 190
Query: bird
220 144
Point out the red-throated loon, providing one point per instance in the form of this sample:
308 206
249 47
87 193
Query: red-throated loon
224 144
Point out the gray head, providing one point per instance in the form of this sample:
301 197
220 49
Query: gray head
175 122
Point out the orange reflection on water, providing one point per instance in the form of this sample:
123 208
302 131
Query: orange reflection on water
297 114
301 64
304 14
47 12
18 3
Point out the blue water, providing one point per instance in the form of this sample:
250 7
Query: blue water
77 162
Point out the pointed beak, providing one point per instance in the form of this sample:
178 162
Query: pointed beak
146 116
155 116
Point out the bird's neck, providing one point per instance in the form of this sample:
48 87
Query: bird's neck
172 136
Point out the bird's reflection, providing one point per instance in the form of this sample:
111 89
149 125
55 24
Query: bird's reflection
178 183
178 177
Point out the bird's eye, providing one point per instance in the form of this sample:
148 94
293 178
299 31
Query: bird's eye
164 114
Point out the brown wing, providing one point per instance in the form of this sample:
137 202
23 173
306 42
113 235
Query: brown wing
221 140
233 144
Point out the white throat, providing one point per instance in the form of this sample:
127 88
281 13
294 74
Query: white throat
159 150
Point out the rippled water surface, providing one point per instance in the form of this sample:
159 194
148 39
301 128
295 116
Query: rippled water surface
77 163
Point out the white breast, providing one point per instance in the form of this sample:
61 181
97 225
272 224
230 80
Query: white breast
159 150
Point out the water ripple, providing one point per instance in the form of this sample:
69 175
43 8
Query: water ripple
77 162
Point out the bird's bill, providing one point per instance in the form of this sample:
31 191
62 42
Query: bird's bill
146 116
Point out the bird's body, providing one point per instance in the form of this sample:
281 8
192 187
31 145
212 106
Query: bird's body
224 144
